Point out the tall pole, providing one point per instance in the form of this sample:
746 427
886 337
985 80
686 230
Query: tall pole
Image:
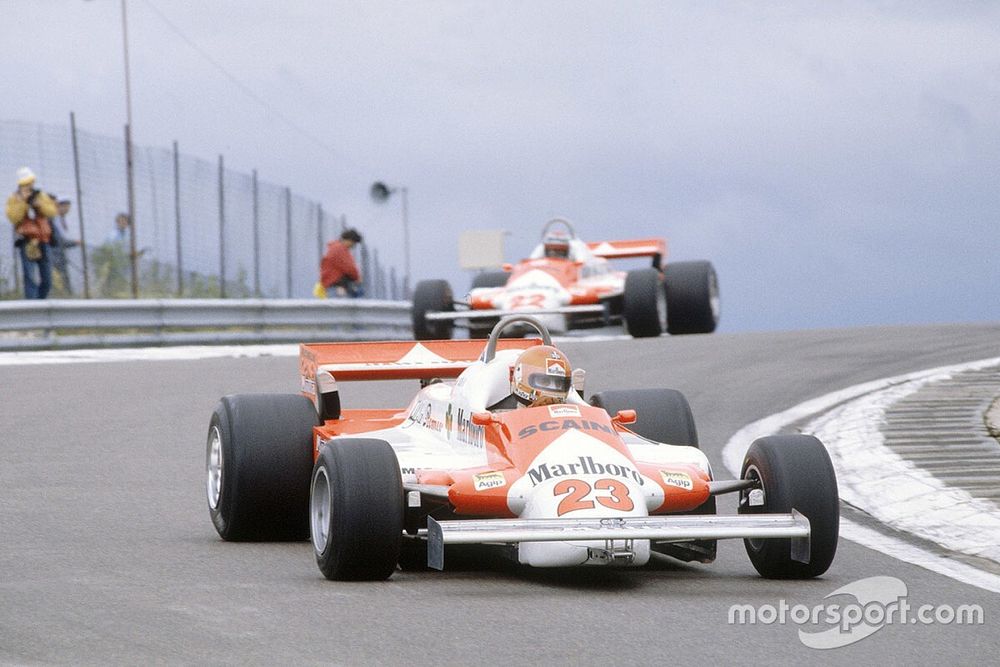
128 157
128 78
406 248
79 206
177 220
288 241
130 186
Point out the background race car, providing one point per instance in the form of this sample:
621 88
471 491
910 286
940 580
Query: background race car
549 478
570 284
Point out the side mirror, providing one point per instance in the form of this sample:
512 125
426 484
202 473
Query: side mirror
482 418
624 417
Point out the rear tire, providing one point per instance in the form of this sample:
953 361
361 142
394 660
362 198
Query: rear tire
258 463
356 510
645 303
432 296
795 472
692 292
490 279
664 415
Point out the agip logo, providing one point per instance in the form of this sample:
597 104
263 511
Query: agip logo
488 480
681 480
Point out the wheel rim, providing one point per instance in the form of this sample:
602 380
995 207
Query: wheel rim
319 510
746 508
214 468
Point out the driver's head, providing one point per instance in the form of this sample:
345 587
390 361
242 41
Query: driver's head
541 376
556 245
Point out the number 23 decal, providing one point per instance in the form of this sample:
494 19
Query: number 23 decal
610 493
527 301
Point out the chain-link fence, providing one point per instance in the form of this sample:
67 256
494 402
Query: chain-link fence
201 230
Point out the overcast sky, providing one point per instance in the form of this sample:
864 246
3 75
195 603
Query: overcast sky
837 162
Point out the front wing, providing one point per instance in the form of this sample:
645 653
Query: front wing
656 528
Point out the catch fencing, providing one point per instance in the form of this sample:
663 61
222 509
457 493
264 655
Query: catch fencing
201 230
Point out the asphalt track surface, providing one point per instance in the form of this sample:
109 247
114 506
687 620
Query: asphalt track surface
107 554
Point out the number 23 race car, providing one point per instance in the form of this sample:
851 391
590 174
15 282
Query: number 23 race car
569 284
498 447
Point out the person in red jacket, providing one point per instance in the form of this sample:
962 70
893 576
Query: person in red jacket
337 269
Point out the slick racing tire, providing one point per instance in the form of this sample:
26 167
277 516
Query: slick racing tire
356 510
794 472
432 296
692 291
490 279
258 464
413 555
663 415
482 328
645 306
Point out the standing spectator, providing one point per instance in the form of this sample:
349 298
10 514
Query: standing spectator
112 259
30 211
119 235
59 244
337 269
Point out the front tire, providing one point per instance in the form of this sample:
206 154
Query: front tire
692 293
664 415
432 296
644 305
356 510
794 472
258 464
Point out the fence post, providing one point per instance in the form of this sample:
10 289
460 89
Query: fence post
288 242
79 207
393 293
130 186
222 231
319 233
17 269
177 220
366 276
256 238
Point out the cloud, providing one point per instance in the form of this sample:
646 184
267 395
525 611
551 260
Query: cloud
836 162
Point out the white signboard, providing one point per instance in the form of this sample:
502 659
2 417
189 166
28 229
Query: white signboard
481 249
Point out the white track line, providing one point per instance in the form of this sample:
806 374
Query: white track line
182 353
874 478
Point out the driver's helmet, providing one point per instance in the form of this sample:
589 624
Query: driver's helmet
556 244
541 376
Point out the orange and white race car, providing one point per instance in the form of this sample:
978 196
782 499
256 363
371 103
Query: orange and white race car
570 284
498 447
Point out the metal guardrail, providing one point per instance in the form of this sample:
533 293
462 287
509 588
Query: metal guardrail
70 323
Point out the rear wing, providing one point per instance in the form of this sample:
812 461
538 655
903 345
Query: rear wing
655 248
393 360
